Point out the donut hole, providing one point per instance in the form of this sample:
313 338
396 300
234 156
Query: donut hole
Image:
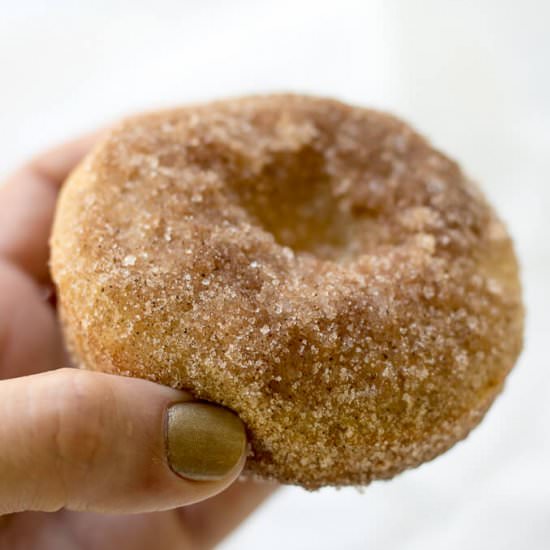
293 199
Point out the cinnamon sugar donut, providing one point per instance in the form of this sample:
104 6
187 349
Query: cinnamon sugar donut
318 268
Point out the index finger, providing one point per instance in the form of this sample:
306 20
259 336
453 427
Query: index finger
27 205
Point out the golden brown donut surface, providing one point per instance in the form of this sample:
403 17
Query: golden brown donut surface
318 268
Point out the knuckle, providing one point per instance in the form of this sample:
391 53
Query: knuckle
82 416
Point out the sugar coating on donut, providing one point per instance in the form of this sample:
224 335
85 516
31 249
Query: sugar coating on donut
318 268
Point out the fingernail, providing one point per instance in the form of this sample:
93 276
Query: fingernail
204 441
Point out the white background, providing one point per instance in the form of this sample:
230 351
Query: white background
472 75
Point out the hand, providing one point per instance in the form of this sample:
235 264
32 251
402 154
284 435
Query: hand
73 443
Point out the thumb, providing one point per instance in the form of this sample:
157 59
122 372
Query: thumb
91 441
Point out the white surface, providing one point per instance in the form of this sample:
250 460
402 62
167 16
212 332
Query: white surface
472 75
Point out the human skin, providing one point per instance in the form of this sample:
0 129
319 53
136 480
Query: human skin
62 466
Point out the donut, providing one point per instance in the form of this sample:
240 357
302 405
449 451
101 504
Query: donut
318 268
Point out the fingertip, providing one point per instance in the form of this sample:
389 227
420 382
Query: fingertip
55 164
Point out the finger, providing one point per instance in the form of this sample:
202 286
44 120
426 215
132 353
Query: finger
201 525
30 339
92 441
93 531
136 532
211 521
27 204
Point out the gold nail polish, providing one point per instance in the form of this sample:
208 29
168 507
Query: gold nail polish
5 520
203 441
